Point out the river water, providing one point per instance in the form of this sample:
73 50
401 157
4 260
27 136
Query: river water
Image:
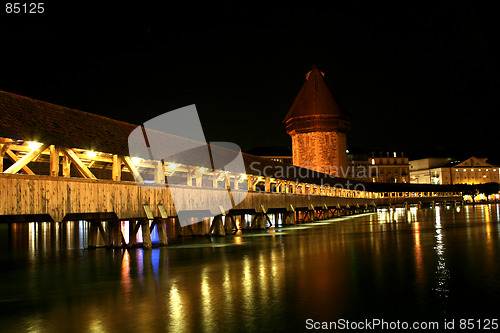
439 265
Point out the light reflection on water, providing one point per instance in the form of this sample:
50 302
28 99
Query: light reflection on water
442 272
401 264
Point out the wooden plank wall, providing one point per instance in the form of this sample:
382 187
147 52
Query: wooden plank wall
57 196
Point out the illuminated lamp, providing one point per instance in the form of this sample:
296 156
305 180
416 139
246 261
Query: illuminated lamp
33 145
136 160
172 166
91 154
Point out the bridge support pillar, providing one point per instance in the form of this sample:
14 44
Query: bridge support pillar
93 230
231 224
311 212
258 221
325 212
276 219
115 234
289 216
217 227
338 211
162 234
146 234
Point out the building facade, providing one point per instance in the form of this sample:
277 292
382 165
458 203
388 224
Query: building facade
358 166
318 127
448 171
379 167
277 154
389 168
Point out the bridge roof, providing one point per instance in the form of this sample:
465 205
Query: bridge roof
33 120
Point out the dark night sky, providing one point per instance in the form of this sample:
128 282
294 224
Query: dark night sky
413 77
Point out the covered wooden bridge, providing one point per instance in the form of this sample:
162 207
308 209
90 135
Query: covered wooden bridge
59 164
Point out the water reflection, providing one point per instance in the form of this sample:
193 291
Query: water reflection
394 263
442 271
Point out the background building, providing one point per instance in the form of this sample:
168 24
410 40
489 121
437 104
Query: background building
379 167
448 171
358 166
389 168
278 154
434 170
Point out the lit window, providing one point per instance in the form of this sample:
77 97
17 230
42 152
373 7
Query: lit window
373 161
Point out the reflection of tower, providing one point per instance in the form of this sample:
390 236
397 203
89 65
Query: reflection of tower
318 127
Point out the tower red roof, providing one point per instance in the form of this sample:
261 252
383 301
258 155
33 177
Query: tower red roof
315 108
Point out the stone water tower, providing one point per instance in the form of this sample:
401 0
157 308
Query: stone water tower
318 128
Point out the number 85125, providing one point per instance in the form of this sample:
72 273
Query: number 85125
24 7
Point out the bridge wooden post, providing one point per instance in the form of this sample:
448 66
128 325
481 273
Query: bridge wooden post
162 234
160 225
325 211
276 219
230 224
146 233
92 237
116 168
66 166
54 161
338 210
133 227
217 227
3 148
159 172
289 218
115 234
258 220
311 212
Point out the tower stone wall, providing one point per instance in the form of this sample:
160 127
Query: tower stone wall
323 151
